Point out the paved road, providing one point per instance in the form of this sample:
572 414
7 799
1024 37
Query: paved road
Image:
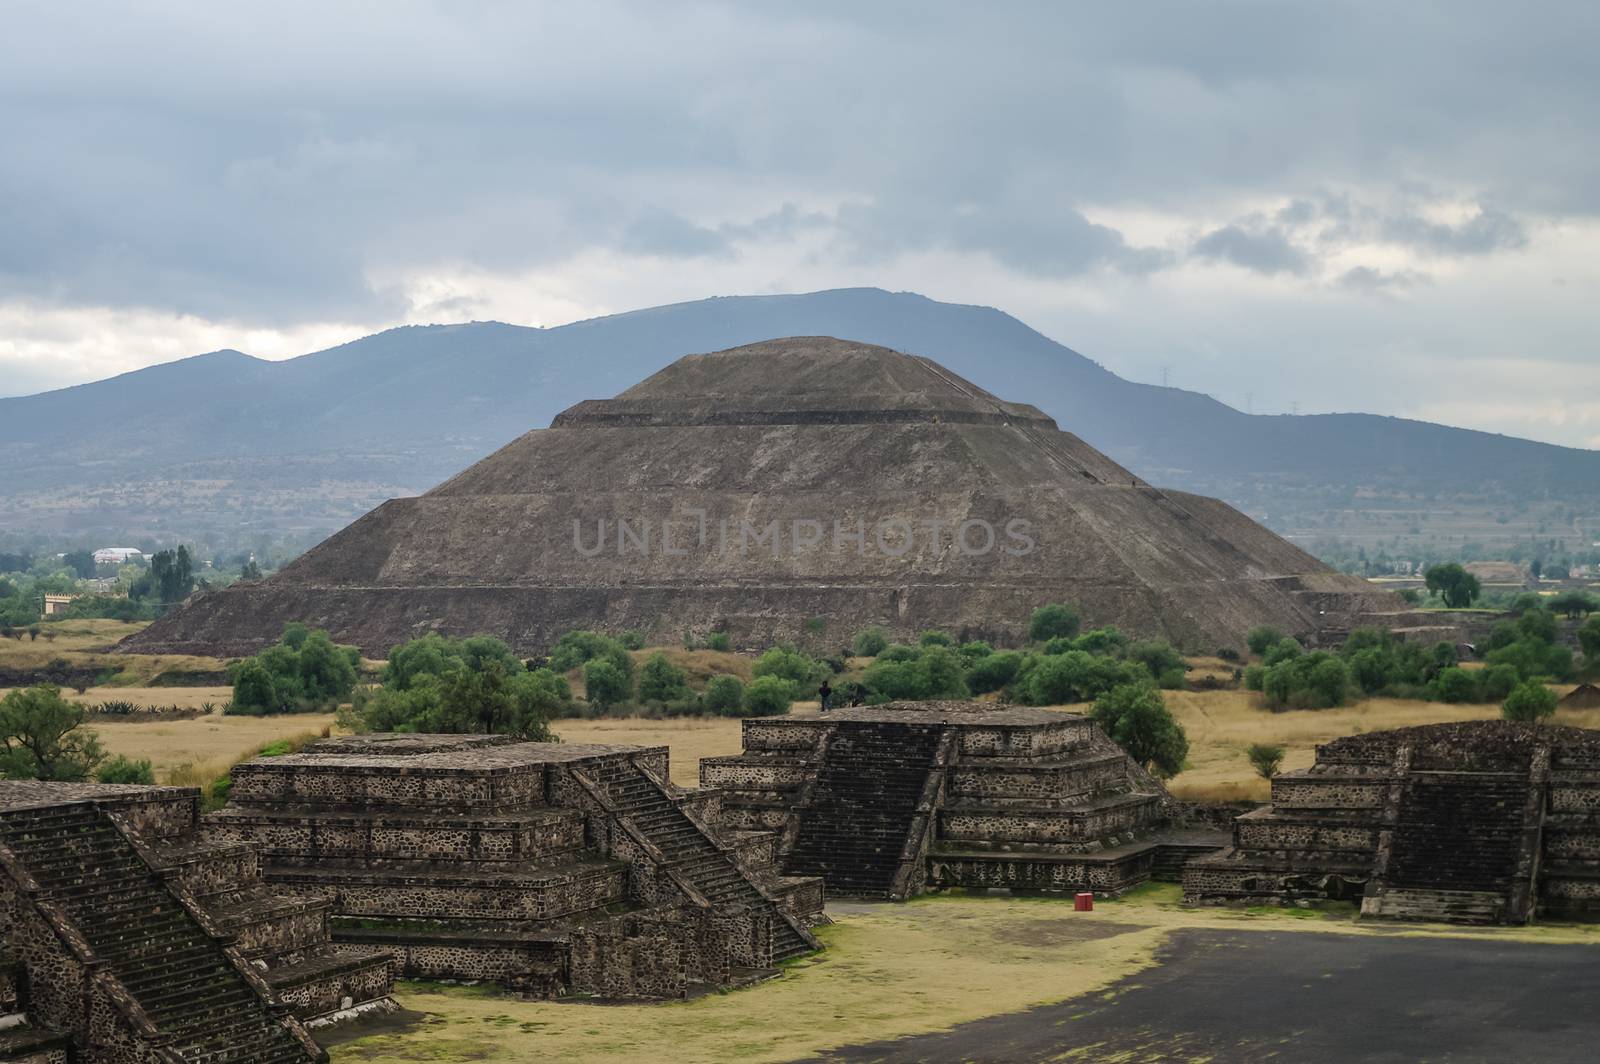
1303 998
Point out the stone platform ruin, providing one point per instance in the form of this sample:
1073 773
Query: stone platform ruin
892 800
1475 822
553 868
129 935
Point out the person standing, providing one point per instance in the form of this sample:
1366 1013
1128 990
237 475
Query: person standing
826 693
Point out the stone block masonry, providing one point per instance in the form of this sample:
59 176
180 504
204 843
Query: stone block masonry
892 800
551 868
1476 822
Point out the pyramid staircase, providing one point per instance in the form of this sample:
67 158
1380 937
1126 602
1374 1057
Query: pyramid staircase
200 1000
1454 849
861 814
658 815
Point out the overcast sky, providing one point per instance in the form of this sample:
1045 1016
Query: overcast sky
1385 207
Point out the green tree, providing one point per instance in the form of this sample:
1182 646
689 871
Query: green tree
1529 701
802 673
81 562
303 671
662 681
724 696
869 643
1574 604
42 738
1455 685
1262 637
1137 719
993 672
604 684
767 696
719 641
1589 640
1454 584
1265 759
935 672
577 648
935 639
1055 620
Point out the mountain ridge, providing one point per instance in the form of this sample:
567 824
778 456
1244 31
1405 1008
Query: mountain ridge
402 409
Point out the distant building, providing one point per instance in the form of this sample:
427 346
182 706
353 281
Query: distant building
57 604
116 555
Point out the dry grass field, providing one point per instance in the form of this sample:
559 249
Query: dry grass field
890 970
192 752
84 645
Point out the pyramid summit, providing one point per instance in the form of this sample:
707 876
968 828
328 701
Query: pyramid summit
795 489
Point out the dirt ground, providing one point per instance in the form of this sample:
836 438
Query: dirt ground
931 965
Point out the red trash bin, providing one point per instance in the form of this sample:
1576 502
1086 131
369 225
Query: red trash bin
1084 902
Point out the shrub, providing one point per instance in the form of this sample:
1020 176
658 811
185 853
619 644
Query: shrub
303 671
1259 638
1228 654
1529 701
1105 641
1265 759
869 643
719 641
1281 651
993 672
935 639
1498 682
800 672
633 639
1076 676
604 684
897 652
578 648
1254 676
120 770
1162 659
1455 685
1135 716
662 681
934 672
724 696
975 650
1052 621
1317 680
767 696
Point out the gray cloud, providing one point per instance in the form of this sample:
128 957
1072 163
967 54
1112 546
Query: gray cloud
1266 251
1486 231
280 172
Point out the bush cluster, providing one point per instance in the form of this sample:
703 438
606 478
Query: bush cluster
303 672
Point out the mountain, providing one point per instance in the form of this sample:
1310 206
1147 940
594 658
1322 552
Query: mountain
224 442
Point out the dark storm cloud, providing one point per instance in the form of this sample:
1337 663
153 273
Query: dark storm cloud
264 164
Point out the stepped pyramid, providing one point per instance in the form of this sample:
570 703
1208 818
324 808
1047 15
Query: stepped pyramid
1472 822
887 801
129 933
762 489
553 868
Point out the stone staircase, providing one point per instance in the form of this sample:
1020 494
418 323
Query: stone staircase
1458 830
174 969
692 853
1447 906
863 805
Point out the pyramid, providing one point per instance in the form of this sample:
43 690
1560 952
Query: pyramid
797 489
